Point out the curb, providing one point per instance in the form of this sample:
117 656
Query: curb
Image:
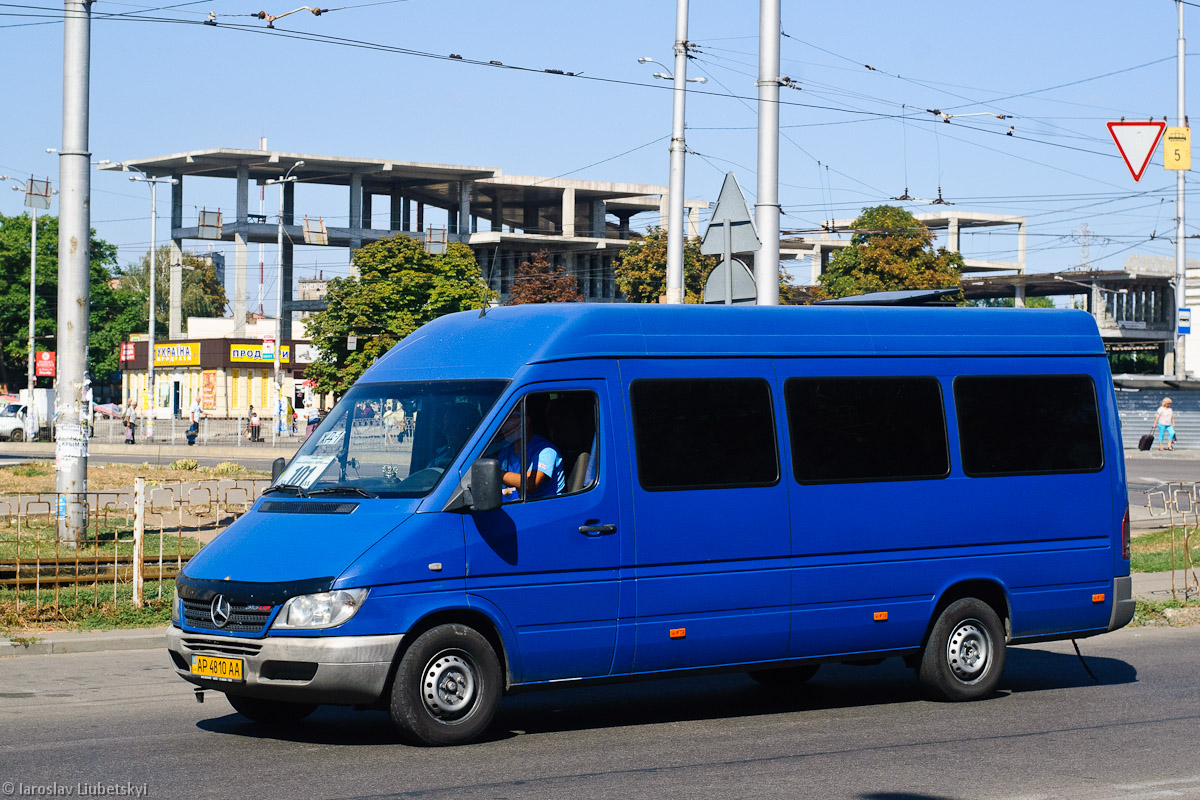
91 642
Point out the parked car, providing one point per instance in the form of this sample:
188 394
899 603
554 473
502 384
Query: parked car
12 422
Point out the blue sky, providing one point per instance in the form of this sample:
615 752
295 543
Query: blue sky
853 137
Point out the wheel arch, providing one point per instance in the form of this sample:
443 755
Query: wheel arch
472 618
988 590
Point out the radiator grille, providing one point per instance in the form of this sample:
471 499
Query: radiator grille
243 617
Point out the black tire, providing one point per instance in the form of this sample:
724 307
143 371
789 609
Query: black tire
964 657
17 435
787 676
269 711
447 687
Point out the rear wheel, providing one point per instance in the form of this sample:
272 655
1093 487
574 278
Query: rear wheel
447 687
269 711
964 657
787 676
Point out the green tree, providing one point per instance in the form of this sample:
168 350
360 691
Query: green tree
641 268
111 311
1008 302
890 250
399 288
539 281
201 294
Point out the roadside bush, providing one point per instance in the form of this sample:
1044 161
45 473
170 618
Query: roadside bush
184 463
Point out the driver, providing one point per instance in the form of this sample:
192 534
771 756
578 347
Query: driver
546 476
457 424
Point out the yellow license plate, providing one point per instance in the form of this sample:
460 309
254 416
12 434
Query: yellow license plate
221 669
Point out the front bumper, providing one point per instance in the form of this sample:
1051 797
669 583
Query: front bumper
341 670
1123 602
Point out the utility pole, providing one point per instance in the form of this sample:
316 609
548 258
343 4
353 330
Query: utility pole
676 233
766 205
74 245
1180 238
287 177
153 182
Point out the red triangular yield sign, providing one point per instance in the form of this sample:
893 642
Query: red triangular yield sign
1137 141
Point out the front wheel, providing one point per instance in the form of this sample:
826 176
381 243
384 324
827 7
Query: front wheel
269 711
964 657
18 435
447 687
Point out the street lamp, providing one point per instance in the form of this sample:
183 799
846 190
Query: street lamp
287 178
675 230
37 195
153 182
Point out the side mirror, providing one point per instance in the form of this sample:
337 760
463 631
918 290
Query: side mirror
485 485
277 467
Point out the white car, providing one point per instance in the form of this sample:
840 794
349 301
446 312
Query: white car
12 422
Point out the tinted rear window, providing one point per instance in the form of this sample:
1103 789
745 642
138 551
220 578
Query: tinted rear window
704 433
1028 425
845 430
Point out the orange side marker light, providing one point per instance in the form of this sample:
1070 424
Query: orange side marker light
678 633
1098 598
881 616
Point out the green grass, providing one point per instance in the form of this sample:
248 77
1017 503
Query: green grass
1149 612
1152 551
115 533
92 609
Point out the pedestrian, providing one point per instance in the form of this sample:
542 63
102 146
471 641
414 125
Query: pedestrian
129 421
255 426
311 418
1164 421
194 416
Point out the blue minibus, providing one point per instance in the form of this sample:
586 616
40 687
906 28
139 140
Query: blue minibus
560 493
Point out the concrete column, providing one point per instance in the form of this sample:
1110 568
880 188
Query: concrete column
1019 300
464 207
175 307
396 217
420 217
405 214
497 214
176 203
243 193
1021 247
952 235
239 285
623 224
664 211
568 213
285 292
366 207
529 218
355 211
596 226
693 221
452 214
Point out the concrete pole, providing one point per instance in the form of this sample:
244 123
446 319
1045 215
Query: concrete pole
279 311
1180 241
153 302
74 245
676 232
31 423
766 205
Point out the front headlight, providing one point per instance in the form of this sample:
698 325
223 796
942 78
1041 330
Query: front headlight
324 610
175 607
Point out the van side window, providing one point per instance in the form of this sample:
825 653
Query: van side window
1028 424
548 446
704 433
848 430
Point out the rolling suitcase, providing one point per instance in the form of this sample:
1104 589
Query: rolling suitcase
1145 441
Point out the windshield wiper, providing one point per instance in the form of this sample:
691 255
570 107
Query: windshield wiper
343 490
286 487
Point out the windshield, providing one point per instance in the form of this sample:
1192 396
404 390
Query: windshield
390 439
10 410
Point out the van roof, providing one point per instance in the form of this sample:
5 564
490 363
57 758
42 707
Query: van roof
497 344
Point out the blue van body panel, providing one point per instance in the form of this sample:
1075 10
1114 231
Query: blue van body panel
716 577
270 547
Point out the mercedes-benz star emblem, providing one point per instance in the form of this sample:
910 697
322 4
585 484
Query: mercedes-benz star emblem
220 611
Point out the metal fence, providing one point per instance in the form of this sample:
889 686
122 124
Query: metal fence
1179 504
125 538
233 432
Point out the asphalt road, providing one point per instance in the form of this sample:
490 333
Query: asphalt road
854 732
